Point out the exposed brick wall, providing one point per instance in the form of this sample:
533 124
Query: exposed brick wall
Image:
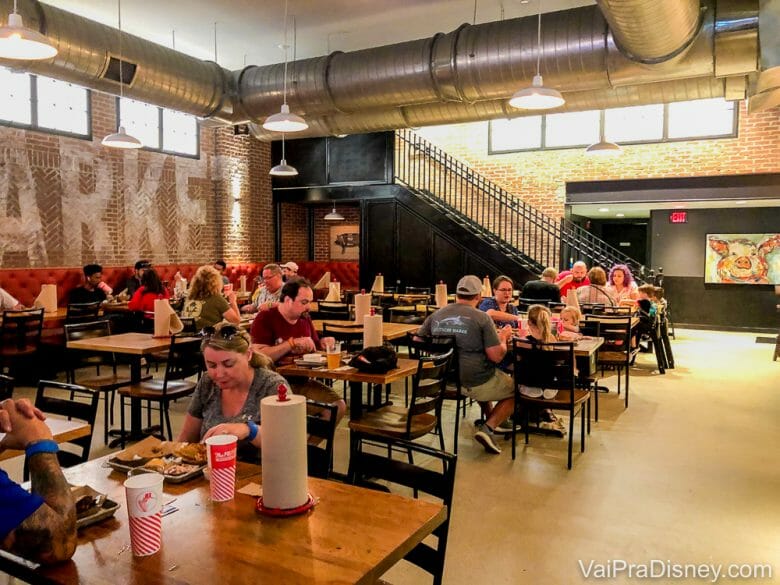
322 242
66 202
540 177
295 235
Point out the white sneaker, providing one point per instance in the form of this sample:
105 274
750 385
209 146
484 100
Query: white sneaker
531 392
549 394
484 436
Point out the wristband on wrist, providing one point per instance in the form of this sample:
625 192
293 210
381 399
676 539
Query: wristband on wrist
292 344
44 446
253 428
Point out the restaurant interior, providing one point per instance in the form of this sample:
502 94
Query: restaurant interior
403 163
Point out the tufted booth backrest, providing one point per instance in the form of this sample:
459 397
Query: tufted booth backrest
25 283
347 273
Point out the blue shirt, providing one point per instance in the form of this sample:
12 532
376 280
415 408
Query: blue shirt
491 303
16 504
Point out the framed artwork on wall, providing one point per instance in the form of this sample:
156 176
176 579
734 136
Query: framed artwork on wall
742 259
345 242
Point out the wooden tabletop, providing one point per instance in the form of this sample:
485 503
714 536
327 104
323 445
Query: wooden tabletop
406 368
62 431
390 331
127 343
353 535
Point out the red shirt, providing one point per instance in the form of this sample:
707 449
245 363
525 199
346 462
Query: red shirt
565 288
144 301
270 328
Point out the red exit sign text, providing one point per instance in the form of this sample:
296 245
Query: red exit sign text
678 217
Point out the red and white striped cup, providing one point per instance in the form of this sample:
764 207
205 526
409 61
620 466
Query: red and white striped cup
221 452
144 511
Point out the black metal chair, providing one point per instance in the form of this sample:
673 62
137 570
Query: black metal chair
20 337
74 402
418 290
331 310
548 366
82 312
616 352
437 481
321 427
105 383
523 303
183 362
350 336
428 346
6 387
592 308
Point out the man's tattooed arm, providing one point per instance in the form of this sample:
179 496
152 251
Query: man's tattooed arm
48 535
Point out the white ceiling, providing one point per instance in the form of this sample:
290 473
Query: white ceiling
251 31
642 210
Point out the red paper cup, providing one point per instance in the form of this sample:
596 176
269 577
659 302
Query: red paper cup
144 506
221 452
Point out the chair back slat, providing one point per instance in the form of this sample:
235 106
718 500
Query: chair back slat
81 312
184 361
6 387
549 366
21 329
351 335
81 358
428 386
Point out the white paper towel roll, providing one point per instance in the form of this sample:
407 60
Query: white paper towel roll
242 283
166 321
334 292
362 306
379 284
323 282
441 295
487 290
372 330
47 298
283 432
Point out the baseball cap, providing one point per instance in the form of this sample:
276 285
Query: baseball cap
291 265
469 285
142 264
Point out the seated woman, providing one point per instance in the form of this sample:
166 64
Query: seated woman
150 290
227 399
595 293
205 302
621 285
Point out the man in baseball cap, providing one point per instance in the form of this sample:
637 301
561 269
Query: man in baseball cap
289 269
480 349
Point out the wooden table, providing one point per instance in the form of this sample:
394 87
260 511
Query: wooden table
134 345
406 368
62 431
353 535
390 331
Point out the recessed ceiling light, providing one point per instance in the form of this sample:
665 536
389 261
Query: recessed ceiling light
679 206
620 215
603 209
740 202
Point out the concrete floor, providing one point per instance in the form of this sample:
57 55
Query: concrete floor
688 474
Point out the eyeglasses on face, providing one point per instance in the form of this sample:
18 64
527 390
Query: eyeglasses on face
227 332
504 290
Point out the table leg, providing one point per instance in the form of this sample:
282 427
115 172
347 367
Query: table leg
136 432
355 400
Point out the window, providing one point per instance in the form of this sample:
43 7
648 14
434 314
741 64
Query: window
709 118
159 128
42 103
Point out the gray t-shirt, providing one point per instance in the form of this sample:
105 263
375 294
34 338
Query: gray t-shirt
473 331
206 403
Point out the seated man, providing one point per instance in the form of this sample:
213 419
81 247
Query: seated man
39 526
480 349
134 282
543 289
94 289
267 294
286 330
289 270
221 266
8 302
572 279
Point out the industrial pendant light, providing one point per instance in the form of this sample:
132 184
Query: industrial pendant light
334 215
285 121
283 169
121 139
604 148
537 97
22 43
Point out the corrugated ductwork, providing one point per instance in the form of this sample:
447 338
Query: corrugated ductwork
767 93
466 74
454 113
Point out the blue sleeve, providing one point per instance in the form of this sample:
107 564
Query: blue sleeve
16 505
487 304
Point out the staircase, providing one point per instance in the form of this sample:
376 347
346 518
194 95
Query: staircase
521 232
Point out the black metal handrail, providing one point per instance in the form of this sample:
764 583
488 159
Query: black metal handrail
532 237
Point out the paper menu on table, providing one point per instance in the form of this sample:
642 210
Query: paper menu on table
166 321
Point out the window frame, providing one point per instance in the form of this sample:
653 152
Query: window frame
33 125
663 140
161 130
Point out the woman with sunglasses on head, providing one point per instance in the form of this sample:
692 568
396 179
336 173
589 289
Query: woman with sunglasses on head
227 399
205 302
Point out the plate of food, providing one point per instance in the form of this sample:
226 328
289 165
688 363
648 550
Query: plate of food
91 505
176 461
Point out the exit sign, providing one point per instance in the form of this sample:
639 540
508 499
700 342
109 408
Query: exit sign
678 217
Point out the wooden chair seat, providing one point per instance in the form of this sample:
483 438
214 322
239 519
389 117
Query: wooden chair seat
561 401
391 421
104 383
153 390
